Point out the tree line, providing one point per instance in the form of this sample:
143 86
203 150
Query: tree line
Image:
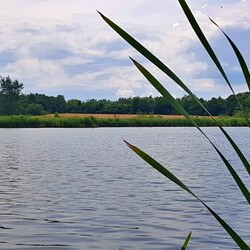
12 101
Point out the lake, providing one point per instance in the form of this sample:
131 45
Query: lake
85 189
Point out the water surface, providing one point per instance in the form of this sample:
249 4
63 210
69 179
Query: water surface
84 189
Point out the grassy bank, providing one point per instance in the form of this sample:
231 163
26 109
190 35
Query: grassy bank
92 122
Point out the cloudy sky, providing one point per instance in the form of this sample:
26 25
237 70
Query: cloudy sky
64 47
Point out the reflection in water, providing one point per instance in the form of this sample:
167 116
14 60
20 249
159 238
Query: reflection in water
84 189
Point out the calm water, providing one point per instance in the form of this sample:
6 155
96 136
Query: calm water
84 189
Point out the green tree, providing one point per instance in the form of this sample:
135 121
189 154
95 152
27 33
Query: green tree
135 104
231 105
10 92
59 104
216 106
93 106
74 106
34 109
191 105
146 104
162 107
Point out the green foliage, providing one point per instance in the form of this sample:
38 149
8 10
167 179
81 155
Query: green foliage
34 109
211 53
13 102
181 109
179 183
56 114
9 87
73 122
186 241
10 92
135 105
21 121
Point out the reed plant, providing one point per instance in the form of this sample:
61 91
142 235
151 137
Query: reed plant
194 122
20 121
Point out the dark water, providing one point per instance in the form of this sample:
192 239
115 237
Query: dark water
84 189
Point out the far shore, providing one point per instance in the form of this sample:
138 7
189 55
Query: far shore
114 120
121 116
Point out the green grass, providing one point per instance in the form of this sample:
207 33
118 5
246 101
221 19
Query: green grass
92 122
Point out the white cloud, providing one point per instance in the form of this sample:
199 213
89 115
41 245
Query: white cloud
50 45
124 91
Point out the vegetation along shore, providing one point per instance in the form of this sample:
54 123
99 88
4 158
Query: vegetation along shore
18 110
94 121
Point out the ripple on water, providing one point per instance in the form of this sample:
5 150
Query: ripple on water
84 189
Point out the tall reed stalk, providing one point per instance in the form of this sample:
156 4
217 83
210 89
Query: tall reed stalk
169 97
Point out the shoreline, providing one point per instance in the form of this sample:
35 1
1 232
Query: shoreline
112 120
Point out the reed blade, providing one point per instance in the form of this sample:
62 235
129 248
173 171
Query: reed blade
237 150
184 247
156 165
209 50
168 97
147 54
238 54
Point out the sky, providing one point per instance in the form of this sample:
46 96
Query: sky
64 47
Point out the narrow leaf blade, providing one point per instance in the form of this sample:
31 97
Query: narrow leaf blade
156 165
238 54
147 54
184 247
182 111
209 50
203 39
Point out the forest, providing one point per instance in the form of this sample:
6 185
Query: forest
14 102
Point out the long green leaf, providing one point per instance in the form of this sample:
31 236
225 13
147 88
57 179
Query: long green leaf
170 73
147 54
237 150
168 97
239 56
156 165
152 58
209 49
158 63
184 247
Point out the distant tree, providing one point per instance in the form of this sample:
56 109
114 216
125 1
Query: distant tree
216 106
244 99
74 106
135 104
162 107
59 104
93 106
231 105
146 104
31 98
12 101
191 106
10 92
123 106
124 100
110 107
34 109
